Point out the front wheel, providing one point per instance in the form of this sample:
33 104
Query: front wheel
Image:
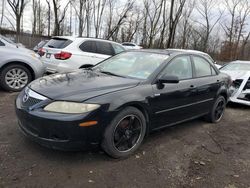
217 111
15 77
125 133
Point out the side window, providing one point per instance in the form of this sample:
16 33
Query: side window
104 48
88 46
180 67
202 67
117 48
1 43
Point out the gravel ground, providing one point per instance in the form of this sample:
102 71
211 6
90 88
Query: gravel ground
193 154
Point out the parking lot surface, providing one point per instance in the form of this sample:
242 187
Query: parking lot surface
193 154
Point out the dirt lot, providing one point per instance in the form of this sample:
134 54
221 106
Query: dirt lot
194 154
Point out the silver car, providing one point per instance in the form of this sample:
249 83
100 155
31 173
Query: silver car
18 66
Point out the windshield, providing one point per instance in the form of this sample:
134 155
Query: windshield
138 65
236 67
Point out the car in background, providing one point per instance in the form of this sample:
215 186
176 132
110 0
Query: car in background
18 67
131 46
4 41
200 53
116 107
64 53
240 75
39 46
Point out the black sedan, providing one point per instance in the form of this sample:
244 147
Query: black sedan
117 102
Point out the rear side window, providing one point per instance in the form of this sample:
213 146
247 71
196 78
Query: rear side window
117 48
1 43
88 46
58 43
202 67
104 48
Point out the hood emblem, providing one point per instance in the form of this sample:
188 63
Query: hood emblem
26 97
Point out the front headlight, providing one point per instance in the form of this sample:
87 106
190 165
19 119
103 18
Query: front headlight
70 107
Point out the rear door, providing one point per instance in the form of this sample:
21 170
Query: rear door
207 82
55 45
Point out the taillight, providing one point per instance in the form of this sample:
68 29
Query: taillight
62 55
41 51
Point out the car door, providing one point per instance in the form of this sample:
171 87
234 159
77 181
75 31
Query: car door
207 82
173 103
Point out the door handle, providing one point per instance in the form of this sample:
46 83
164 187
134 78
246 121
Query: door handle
192 86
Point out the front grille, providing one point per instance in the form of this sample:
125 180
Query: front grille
30 102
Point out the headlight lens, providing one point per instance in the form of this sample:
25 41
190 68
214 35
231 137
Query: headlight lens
70 107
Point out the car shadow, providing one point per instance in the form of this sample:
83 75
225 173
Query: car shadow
238 106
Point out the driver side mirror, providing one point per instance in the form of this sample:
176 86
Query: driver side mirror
168 79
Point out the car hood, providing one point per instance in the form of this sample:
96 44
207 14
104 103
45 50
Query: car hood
237 74
80 85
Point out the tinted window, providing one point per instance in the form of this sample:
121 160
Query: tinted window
202 67
58 43
181 67
88 46
117 48
104 48
1 43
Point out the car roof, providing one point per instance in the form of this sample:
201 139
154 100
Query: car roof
187 50
241 61
72 38
166 51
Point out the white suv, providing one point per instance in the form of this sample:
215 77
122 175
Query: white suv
64 54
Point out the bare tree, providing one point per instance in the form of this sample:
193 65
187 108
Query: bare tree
113 25
98 10
174 18
2 13
17 7
206 9
153 12
34 11
49 16
59 16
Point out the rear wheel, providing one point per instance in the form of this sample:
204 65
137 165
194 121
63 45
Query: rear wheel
15 77
217 111
125 133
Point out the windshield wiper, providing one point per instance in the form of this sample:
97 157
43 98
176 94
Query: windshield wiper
112 74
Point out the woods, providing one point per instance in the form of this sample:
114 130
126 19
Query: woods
217 27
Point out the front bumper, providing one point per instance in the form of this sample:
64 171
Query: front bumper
60 131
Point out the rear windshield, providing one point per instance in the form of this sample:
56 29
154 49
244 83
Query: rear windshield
58 43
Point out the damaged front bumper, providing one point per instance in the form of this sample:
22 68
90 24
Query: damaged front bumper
240 91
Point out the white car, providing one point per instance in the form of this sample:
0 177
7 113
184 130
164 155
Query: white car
64 53
131 46
198 52
240 75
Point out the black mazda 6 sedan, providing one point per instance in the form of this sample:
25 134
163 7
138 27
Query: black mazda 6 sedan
117 102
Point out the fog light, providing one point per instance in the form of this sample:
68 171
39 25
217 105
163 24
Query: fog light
88 123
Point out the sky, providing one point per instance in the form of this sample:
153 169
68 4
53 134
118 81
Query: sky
27 18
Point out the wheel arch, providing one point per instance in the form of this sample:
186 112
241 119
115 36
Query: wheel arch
19 63
140 107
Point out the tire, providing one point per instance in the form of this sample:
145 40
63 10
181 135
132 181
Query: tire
14 77
214 115
131 121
